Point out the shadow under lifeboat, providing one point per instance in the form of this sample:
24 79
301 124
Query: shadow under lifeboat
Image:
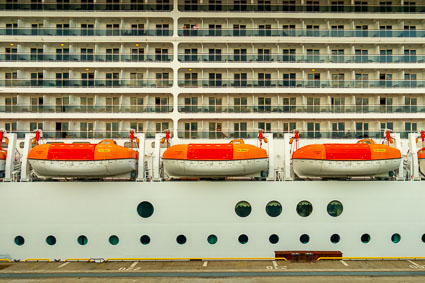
215 160
362 159
105 159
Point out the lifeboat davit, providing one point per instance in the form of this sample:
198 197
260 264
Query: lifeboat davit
105 159
3 155
365 158
215 160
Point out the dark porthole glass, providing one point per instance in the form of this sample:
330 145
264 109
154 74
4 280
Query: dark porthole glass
335 238
423 238
304 238
212 239
145 240
145 209
243 239
395 238
243 208
274 208
181 239
274 239
365 238
304 208
51 240
335 208
82 240
114 240
19 240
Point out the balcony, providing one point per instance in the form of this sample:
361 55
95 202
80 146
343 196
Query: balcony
87 7
302 58
45 83
85 109
389 84
84 32
85 134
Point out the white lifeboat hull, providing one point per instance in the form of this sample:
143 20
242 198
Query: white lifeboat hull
216 168
97 168
422 165
336 168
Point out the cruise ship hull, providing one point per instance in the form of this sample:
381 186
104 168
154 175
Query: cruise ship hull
97 210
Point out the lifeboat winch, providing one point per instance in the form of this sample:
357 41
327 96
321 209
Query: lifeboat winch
365 158
215 160
105 159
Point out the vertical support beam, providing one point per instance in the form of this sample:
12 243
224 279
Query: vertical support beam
25 166
141 177
400 176
156 158
414 165
271 176
10 158
287 176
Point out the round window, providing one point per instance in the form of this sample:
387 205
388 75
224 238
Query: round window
82 240
274 239
181 239
145 240
274 208
19 240
423 238
335 238
243 239
243 208
51 240
335 208
114 240
395 238
145 209
304 208
212 239
304 238
365 238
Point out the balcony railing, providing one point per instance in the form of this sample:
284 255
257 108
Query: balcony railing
305 109
70 83
84 134
304 83
87 7
305 58
86 109
53 57
300 33
84 32
259 8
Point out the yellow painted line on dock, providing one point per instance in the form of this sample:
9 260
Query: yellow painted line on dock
193 259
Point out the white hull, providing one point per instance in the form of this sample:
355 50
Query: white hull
422 165
100 168
222 168
325 168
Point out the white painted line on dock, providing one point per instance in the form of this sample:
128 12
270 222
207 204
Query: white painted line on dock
414 263
205 263
343 262
133 265
63 264
274 264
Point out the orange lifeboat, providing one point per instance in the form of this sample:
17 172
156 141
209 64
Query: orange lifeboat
365 158
105 159
215 160
421 159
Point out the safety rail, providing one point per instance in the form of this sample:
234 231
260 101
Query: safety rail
372 258
37 259
5 259
78 260
192 259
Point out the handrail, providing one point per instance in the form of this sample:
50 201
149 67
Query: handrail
77 259
5 259
189 258
371 258
37 259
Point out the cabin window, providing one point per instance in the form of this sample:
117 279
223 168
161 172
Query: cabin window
274 208
181 239
365 238
335 208
51 240
145 209
335 238
423 238
304 208
243 239
114 240
274 239
243 208
212 239
395 238
82 240
19 240
304 238
145 240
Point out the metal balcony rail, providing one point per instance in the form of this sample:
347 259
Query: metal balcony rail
303 109
258 32
94 83
71 134
299 58
260 8
87 7
104 57
85 109
273 83
84 32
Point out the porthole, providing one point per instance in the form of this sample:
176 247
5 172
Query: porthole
335 238
212 239
19 240
145 240
82 240
243 239
395 238
51 240
423 238
274 239
365 238
304 208
304 238
243 208
274 208
335 208
145 209
181 239
114 240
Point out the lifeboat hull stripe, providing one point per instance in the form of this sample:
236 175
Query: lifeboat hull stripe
345 159
80 159
212 159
